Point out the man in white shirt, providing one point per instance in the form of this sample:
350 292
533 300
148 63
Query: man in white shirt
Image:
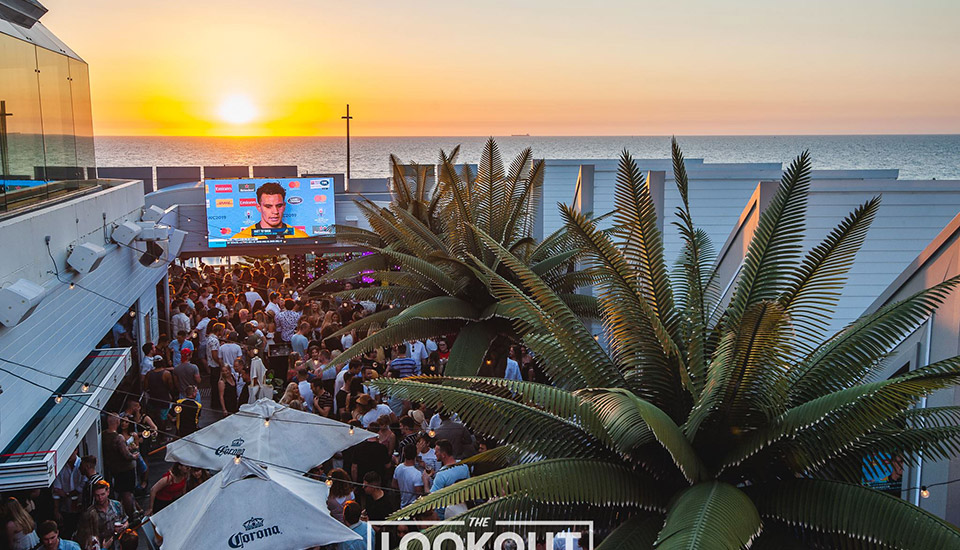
353 367
417 351
66 493
230 351
252 296
306 392
181 321
274 304
407 478
146 364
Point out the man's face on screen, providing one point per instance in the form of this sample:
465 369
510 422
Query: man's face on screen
271 210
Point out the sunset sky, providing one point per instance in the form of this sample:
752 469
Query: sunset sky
425 67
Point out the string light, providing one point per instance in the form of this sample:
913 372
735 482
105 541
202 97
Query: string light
924 492
266 422
236 460
178 409
329 482
133 313
351 430
432 433
72 285
146 434
85 388
57 398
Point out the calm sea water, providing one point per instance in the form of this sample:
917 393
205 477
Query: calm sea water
917 157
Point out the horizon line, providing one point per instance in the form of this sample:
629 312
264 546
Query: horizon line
530 135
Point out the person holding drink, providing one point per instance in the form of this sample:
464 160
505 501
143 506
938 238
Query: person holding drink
112 520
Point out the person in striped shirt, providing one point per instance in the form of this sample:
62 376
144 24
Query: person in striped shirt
402 366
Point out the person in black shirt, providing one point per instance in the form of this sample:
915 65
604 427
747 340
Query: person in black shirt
368 456
378 504
188 418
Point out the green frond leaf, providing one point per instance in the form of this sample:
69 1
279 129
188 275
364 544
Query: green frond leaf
708 516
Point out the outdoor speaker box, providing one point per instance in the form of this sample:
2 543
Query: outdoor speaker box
150 231
176 243
152 255
86 257
125 233
152 214
18 301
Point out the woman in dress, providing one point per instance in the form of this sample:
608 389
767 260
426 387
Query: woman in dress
169 488
19 527
291 395
227 389
243 381
340 493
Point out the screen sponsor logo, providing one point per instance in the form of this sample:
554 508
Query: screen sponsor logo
323 183
248 188
248 202
294 184
225 231
294 200
224 203
320 198
223 188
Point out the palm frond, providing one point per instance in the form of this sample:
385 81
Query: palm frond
814 289
557 481
707 516
438 307
854 511
850 355
775 246
470 347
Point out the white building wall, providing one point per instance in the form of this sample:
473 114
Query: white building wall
68 323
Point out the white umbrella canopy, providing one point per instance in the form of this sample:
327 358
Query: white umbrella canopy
250 507
267 432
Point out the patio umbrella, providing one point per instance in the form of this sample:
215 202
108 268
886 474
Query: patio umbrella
250 507
267 432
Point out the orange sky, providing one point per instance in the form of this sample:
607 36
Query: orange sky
496 67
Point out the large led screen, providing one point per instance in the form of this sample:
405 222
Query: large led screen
268 210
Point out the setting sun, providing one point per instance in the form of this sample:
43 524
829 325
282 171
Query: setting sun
237 109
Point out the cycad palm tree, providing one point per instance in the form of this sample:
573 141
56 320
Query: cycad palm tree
704 423
425 242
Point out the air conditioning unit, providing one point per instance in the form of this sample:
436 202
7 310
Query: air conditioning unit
18 301
86 257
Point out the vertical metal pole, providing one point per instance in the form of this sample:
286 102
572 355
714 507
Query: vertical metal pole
347 118
4 147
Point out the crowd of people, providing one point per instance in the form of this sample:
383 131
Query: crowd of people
227 325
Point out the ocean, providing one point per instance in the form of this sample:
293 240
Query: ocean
917 156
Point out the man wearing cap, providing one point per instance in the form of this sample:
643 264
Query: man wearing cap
186 372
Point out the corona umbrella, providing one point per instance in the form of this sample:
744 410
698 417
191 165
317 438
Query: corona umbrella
269 433
251 507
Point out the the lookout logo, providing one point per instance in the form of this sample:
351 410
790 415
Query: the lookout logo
236 448
253 530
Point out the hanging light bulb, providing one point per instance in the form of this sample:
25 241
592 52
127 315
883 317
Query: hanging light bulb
236 460
146 434
72 285
266 422
329 482
178 409
351 430
432 433
133 313
924 492
85 387
57 398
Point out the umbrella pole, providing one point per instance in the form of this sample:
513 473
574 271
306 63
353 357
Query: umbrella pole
157 450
